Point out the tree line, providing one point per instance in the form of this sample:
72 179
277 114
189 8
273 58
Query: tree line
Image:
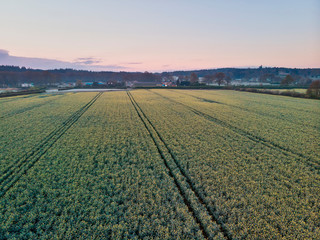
12 76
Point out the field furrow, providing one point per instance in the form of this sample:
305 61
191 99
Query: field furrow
14 172
198 200
103 179
159 164
311 158
28 108
22 133
252 186
299 123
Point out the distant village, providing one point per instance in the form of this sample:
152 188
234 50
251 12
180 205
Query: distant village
20 77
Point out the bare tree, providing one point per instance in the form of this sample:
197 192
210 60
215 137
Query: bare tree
314 89
287 80
219 77
194 78
228 80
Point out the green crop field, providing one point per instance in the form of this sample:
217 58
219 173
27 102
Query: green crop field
159 164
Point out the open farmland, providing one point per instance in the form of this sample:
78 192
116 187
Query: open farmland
159 164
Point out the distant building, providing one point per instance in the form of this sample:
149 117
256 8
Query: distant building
283 74
145 84
64 85
202 80
26 85
129 84
168 84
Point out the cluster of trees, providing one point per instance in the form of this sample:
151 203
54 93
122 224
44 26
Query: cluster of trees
13 76
287 80
219 78
224 76
262 74
314 89
193 80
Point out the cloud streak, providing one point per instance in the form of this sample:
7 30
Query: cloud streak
133 63
88 63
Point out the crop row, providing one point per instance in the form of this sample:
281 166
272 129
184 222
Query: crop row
297 119
281 134
158 165
17 98
14 172
270 144
295 105
103 179
257 191
23 132
25 108
19 104
193 199
297 111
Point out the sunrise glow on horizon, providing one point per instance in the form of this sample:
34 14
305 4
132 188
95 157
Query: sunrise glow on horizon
160 35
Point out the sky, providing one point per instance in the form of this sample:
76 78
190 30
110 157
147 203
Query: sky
159 35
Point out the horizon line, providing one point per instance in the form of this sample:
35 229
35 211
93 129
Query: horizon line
185 70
